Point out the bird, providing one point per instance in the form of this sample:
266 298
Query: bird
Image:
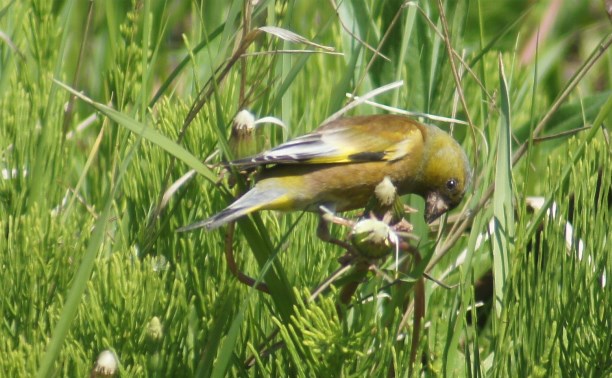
339 165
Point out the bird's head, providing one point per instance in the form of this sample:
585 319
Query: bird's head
446 172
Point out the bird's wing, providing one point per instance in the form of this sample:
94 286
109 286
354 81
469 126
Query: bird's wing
358 139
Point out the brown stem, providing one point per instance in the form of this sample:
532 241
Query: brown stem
456 76
360 270
233 267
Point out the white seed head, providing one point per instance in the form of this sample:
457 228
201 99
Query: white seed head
244 120
106 365
155 330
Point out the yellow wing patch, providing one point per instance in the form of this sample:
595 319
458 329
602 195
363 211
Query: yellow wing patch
347 140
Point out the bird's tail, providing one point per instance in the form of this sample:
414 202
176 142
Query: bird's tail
255 199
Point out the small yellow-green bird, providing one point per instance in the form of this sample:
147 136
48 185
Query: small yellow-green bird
339 165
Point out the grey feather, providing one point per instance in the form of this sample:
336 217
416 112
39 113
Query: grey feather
255 199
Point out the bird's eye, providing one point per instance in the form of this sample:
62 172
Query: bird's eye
451 184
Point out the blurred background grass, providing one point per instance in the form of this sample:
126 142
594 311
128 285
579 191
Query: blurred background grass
90 257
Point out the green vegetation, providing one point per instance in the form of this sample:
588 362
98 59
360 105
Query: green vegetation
105 104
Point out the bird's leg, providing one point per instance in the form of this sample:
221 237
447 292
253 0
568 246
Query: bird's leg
409 209
233 267
324 234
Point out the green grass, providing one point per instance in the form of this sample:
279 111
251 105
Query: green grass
102 109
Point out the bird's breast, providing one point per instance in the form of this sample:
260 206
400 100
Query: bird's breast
342 186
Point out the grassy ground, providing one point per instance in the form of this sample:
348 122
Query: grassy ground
91 259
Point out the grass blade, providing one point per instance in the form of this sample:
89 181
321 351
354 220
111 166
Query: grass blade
148 133
503 213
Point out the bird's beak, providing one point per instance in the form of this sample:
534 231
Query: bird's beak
435 206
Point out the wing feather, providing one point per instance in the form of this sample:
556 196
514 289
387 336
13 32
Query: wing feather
347 140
